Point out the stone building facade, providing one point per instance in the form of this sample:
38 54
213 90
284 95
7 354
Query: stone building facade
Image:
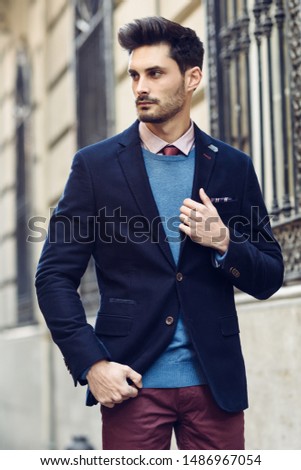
64 84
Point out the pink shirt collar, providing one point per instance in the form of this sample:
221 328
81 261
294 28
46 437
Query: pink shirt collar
154 144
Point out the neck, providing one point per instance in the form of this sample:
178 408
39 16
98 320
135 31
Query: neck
171 130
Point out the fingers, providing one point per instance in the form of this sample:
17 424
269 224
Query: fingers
190 205
109 385
205 199
187 215
135 377
193 211
185 229
111 402
202 223
126 393
193 205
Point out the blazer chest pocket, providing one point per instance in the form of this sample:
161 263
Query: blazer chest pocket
229 325
227 210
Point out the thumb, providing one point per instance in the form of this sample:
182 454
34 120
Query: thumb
204 198
135 377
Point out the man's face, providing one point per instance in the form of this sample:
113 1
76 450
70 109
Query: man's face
157 83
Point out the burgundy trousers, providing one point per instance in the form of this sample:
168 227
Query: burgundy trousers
147 421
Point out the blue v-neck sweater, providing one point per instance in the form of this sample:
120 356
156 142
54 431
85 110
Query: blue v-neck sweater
171 180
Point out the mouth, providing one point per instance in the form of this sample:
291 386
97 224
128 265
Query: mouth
145 103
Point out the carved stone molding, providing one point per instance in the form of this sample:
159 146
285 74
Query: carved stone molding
294 39
4 26
86 12
289 237
213 70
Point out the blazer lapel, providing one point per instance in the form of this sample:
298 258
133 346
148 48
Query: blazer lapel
205 155
132 163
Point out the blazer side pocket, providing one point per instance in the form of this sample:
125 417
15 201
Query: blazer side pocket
113 325
229 325
118 306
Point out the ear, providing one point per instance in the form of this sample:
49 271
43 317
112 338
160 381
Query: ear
193 78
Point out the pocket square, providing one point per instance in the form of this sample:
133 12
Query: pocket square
221 199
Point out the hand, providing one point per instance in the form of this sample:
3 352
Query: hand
108 382
202 223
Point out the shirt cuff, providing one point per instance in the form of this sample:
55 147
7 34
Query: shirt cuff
218 259
83 375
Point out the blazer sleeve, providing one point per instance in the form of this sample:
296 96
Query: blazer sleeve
254 261
64 259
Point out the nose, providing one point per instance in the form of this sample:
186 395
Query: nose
142 87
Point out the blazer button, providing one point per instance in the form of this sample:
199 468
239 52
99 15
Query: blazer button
179 277
169 321
234 272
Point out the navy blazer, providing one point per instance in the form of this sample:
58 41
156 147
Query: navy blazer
107 211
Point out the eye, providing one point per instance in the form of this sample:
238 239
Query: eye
155 73
134 76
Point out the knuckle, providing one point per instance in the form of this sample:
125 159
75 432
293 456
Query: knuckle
116 402
106 403
116 398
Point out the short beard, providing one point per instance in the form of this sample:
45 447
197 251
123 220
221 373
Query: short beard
168 111
161 118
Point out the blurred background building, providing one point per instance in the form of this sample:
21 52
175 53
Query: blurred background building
64 84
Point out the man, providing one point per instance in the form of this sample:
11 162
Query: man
173 219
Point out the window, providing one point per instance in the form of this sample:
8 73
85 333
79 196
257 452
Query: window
255 74
95 94
24 272
251 90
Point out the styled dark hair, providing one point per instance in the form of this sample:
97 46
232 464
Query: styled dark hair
185 46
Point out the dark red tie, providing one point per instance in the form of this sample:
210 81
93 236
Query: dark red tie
171 150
